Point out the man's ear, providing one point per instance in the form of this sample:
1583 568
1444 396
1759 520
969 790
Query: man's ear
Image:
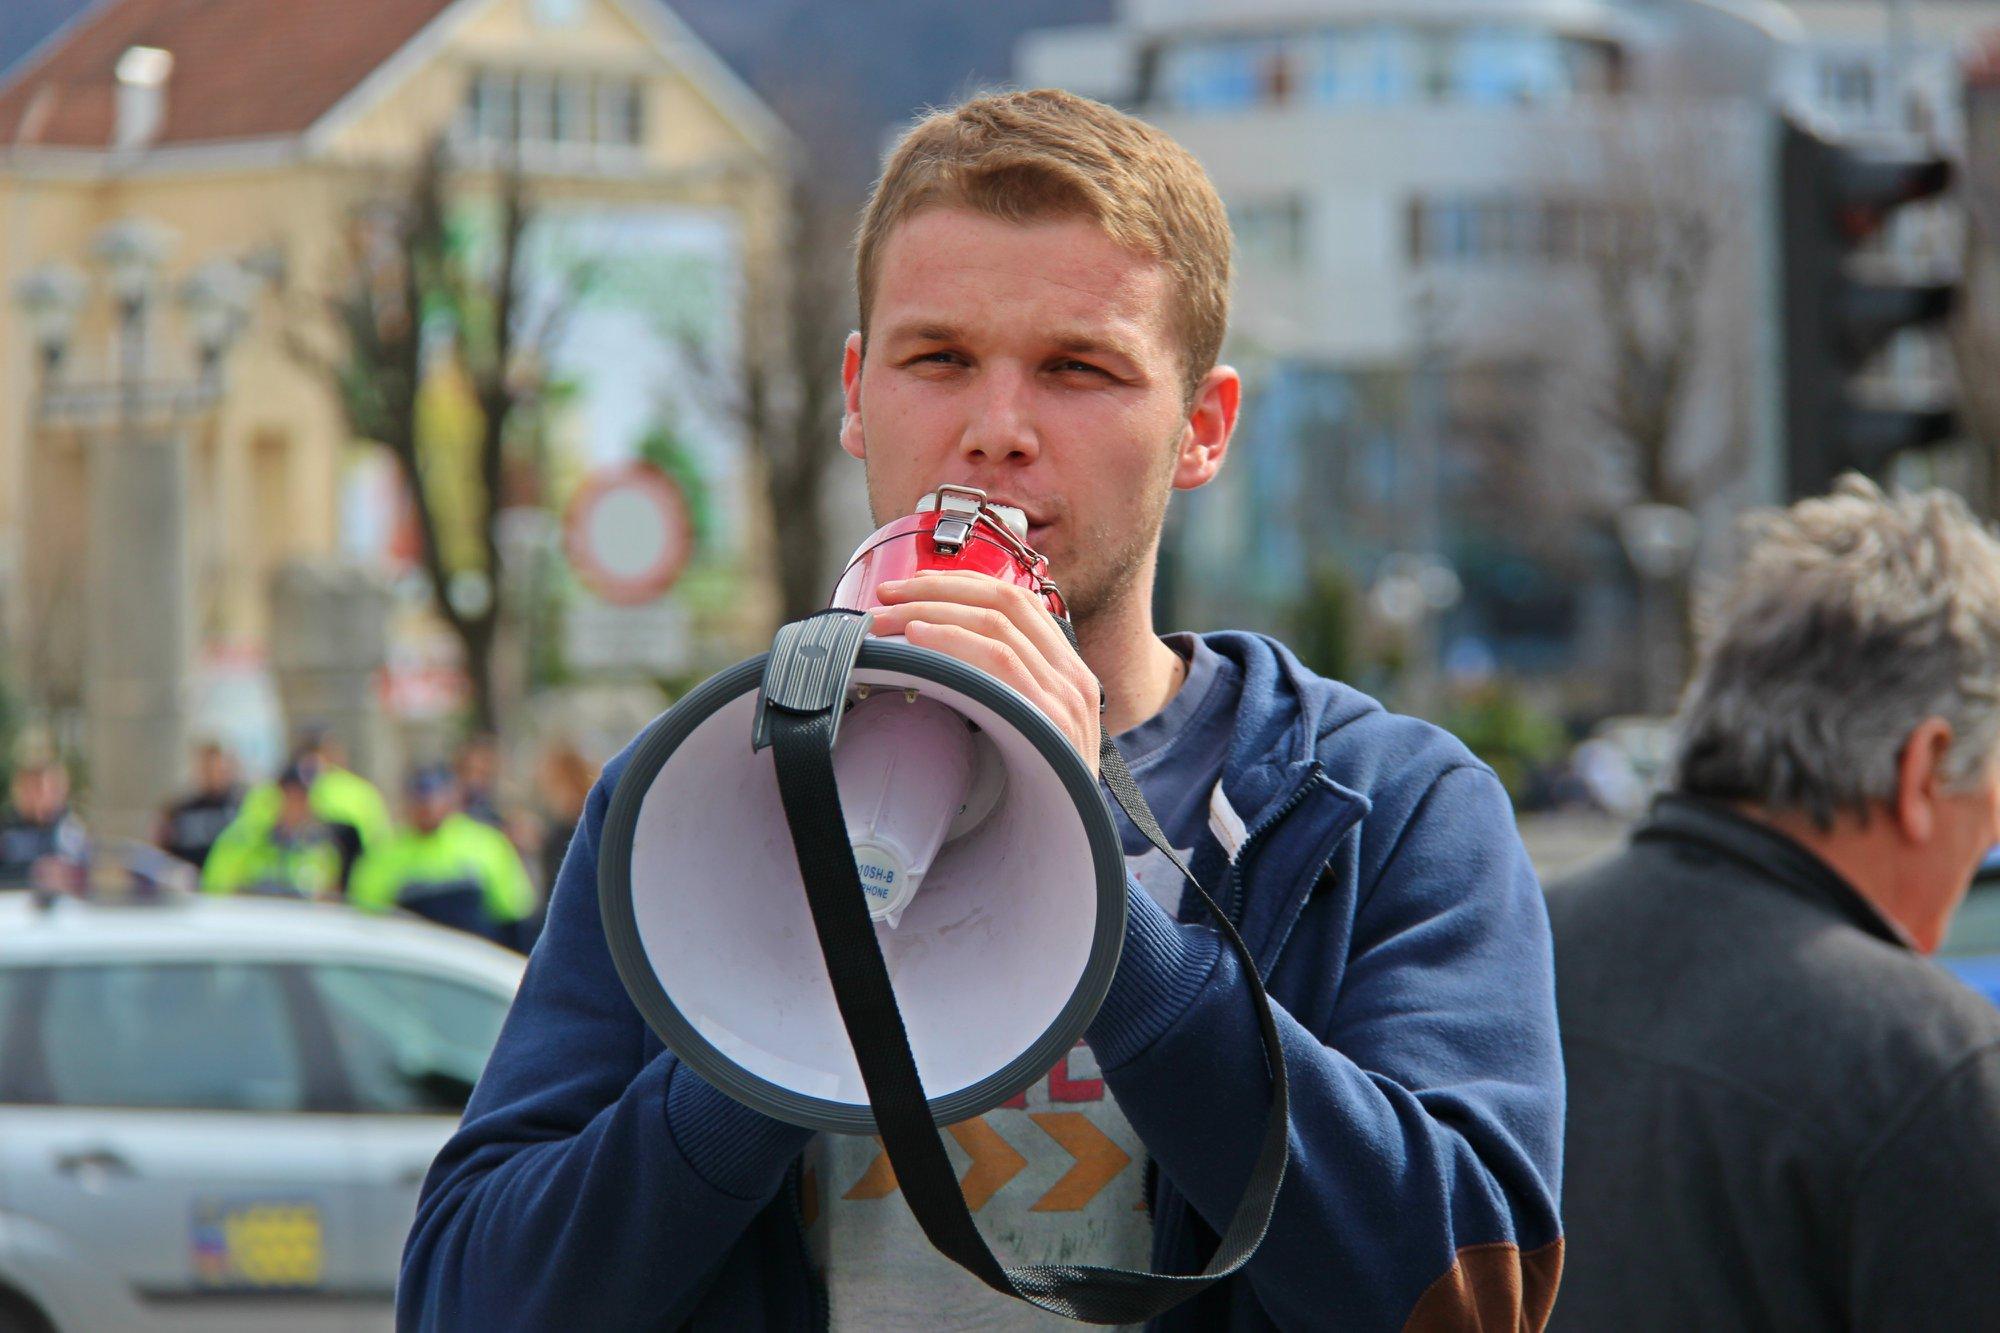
1920 780
1210 424
852 438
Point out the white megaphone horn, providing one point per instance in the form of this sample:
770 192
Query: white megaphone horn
862 887
990 863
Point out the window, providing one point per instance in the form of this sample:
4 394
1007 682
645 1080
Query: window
542 108
1384 63
170 1036
1591 68
1270 231
575 118
1375 65
621 112
490 109
1224 74
536 117
557 13
1502 227
1848 86
410 1043
1499 66
1336 68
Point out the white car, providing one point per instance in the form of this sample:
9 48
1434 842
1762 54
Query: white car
215 1113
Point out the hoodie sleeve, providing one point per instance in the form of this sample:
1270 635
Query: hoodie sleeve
588 1186
1426 1119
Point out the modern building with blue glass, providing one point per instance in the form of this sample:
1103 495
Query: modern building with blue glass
1451 215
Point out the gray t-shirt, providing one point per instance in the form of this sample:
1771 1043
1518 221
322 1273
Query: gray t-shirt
1056 1175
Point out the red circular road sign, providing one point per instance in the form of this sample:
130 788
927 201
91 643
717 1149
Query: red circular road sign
628 533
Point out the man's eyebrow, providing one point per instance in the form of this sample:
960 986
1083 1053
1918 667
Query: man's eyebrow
1095 344
1073 341
923 331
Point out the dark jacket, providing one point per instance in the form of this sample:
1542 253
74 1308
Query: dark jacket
597 1183
1780 1117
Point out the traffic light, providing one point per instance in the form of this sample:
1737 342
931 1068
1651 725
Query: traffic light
1835 198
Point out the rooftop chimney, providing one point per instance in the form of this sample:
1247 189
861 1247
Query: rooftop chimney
142 96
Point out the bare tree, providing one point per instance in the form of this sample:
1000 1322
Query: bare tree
1652 404
1659 229
415 297
786 394
792 405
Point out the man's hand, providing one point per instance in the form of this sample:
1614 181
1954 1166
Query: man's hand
1005 631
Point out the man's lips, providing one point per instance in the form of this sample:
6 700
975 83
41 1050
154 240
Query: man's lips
1037 518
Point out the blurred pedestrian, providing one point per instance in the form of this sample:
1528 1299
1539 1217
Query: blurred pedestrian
478 769
38 832
347 803
1781 1114
563 778
447 866
189 827
292 854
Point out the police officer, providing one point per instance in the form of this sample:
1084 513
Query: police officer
347 803
38 832
189 827
291 854
448 867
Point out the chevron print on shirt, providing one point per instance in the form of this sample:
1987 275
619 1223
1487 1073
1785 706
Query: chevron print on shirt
1055 1176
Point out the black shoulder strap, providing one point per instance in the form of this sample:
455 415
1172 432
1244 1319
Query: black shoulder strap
797 716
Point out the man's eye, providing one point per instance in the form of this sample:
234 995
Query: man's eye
1067 367
936 359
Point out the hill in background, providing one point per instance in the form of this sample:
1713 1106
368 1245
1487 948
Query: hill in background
24 23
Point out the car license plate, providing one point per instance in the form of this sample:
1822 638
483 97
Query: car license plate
258 1244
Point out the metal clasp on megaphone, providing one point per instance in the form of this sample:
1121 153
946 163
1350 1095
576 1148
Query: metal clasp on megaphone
958 509
953 528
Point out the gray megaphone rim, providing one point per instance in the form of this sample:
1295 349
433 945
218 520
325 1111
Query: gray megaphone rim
635 968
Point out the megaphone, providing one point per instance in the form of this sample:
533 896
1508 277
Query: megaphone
862 887
994 876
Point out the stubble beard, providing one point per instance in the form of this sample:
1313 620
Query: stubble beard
1126 558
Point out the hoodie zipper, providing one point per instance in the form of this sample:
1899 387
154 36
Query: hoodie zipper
1232 882
1231 902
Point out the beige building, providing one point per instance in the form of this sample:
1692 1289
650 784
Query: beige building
256 138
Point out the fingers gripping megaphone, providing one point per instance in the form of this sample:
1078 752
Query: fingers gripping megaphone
863 887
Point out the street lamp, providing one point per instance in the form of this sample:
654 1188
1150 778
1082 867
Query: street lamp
50 298
1660 541
216 302
132 422
132 252
130 257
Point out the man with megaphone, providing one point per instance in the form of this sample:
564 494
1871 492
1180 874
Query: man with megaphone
869 883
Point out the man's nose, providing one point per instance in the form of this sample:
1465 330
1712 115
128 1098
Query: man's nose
1001 428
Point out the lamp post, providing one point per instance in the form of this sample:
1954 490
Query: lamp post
138 627
1660 541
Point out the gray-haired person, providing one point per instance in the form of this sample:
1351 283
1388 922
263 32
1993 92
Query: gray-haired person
1781 1114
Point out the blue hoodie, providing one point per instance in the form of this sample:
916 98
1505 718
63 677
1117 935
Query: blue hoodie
598 1183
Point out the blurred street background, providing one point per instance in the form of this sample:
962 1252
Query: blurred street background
437 389
416 369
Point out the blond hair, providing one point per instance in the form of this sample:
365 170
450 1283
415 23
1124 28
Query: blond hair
1854 617
1025 156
